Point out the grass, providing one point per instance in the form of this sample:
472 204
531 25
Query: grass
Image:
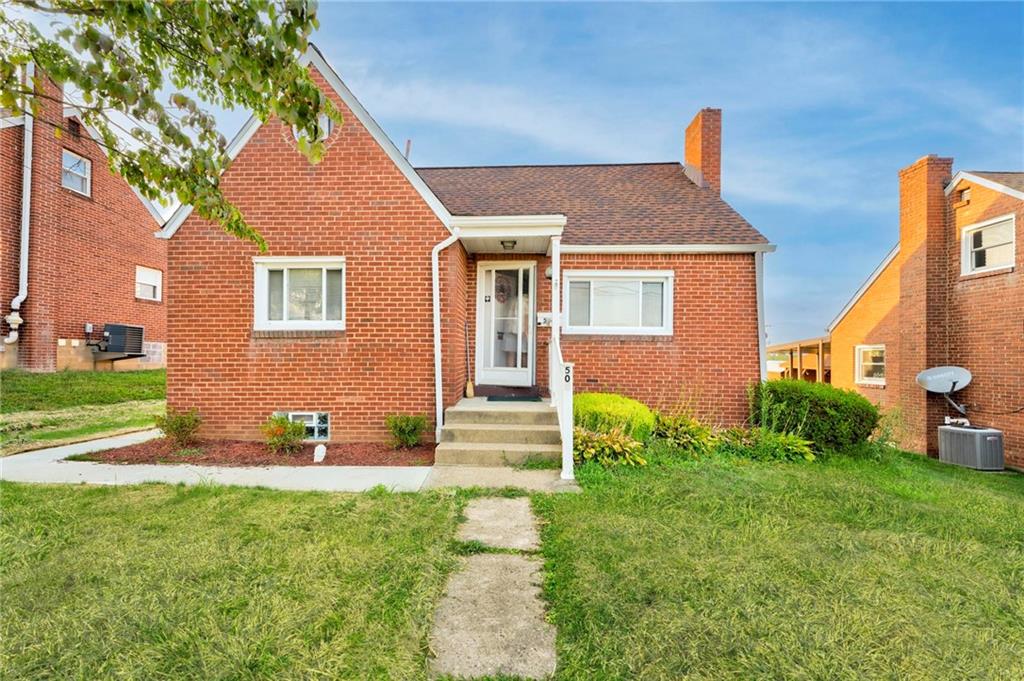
26 391
842 569
33 429
212 582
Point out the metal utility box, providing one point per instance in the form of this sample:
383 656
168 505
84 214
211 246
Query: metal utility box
971 446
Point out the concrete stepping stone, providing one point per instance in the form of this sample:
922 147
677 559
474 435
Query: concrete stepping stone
501 523
491 621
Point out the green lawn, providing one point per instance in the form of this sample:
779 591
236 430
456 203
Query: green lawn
25 391
34 429
219 583
845 569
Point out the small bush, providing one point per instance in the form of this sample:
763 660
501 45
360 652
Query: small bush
283 436
612 448
831 418
180 426
761 444
604 412
406 429
684 432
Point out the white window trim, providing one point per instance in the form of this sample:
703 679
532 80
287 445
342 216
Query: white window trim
87 176
159 283
263 264
290 414
665 276
965 245
858 365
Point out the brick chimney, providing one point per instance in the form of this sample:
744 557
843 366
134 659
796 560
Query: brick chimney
924 244
703 152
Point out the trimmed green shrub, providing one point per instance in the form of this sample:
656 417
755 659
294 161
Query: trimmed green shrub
282 435
603 412
611 448
180 426
406 429
831 418
684 432
761 444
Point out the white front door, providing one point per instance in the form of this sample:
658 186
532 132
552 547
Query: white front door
505 321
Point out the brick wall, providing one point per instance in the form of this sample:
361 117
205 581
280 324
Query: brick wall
703 147
83 250
356 204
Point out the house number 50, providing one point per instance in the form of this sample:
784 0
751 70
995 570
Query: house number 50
568 374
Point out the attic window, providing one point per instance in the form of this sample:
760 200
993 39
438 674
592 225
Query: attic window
324 124
74 128
964 195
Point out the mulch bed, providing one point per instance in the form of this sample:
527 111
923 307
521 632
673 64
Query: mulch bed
245 453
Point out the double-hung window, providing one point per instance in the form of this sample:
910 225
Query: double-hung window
149 283
301 293
988 245
619 302
76 173
870 363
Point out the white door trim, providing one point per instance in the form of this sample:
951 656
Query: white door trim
516 381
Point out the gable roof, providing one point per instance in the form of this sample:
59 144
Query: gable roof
610 204
315 58
1011 183
864 287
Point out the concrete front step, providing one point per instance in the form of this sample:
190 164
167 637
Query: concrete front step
524 434
493 454
478 410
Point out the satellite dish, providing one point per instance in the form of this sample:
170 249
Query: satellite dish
944 379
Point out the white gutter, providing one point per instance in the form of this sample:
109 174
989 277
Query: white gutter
435 267
761 336
14 319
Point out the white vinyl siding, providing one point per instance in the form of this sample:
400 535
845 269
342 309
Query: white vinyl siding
299 293
619 302
870 364
76 173
989 245
149 283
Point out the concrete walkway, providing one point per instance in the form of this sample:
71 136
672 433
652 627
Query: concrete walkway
491 620
497 477
48 466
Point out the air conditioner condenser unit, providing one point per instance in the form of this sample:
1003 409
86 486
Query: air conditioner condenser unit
971 446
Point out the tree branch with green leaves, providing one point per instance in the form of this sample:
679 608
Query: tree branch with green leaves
118 57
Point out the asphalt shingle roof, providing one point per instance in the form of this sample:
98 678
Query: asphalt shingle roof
1011 180
644 203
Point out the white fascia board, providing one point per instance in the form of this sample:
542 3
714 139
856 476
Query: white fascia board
314 57
509 225
668 248
11 121
984 182
73 112
864 287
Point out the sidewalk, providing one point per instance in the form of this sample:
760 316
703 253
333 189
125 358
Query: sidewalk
48 466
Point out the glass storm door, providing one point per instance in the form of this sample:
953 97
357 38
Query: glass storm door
505 343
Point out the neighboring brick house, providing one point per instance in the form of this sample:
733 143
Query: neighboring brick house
344 319
91 254
950 292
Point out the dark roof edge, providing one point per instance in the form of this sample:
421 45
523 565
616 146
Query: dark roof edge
551 165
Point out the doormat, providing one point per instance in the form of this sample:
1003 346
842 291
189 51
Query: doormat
513 398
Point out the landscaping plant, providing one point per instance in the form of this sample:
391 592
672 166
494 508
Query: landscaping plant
180 426
831 418
611 448
685 433
762 444
406 429
282 435
604 412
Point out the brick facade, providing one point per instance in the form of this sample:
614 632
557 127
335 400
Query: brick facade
83 249
703 146
928 314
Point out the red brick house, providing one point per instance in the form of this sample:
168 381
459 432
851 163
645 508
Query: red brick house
386 287
950 292
76 248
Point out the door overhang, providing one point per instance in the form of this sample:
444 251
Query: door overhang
508 233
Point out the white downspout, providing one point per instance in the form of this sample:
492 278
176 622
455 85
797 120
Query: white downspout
435 266
761 336
14 319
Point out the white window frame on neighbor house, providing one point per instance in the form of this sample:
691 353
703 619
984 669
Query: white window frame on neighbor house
147 276
859 364
665 277
263 265
967 251
86 176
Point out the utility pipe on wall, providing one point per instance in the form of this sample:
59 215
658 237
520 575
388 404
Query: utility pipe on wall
14 319
435 267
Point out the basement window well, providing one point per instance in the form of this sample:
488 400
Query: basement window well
318 423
